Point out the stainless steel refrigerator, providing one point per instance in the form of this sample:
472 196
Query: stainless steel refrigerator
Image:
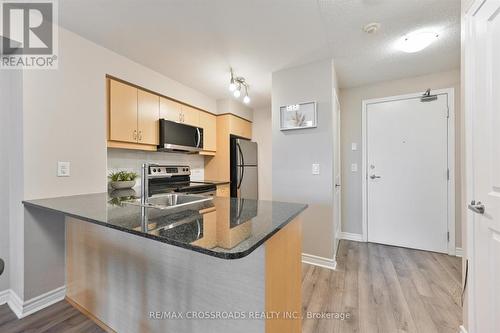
244 179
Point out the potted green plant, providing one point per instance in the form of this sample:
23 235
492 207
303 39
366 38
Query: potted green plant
122 179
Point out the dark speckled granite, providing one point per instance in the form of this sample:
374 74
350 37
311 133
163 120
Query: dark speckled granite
242 225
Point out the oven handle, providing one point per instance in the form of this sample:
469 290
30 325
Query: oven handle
208 192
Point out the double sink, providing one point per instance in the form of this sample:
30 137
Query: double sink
169 200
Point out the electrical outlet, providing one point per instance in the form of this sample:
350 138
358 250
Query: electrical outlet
63 169
354 167
315 169
354 146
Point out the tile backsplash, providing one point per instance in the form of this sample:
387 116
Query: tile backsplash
131 160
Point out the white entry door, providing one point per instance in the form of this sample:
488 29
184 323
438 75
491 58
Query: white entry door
483 153
407 172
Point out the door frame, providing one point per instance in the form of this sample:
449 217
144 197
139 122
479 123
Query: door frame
337 145
450 92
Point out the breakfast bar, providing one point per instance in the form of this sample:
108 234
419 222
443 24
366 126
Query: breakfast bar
211 265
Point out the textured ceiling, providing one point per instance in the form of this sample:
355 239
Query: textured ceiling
195 41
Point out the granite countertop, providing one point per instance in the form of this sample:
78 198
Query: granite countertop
228 228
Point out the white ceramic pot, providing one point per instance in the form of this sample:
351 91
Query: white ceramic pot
122 184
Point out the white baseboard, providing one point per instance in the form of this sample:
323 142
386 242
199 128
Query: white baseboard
318 261
459 252
23 309
462 329
4 296
351 236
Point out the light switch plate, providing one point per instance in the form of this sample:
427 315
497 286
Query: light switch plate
354 146
354 167
63 169
315 169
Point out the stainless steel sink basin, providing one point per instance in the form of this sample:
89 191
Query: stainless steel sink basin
171 200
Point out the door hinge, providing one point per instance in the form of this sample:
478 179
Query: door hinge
448 236
447 111
448 174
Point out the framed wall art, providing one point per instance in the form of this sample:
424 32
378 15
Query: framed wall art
298 116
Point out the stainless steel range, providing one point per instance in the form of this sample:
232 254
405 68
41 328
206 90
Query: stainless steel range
173 178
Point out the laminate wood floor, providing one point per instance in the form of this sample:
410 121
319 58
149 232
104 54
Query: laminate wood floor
384 289
58 318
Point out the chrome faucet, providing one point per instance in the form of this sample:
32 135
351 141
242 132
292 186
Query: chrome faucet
144 183
144 196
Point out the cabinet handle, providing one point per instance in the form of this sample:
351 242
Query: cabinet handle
140 135
135 135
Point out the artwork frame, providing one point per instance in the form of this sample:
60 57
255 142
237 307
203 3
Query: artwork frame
298 116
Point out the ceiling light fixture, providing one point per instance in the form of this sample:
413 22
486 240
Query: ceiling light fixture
236 84
237 92
416 41
246 99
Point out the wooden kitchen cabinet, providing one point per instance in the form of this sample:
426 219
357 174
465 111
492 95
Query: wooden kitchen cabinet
218 166
190 116
170 110
174 111
223 191
122 112
134 113
209 124
240 127
148 127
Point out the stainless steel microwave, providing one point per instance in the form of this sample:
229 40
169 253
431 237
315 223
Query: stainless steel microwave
178 137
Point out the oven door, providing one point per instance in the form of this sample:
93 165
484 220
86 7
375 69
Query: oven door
180 137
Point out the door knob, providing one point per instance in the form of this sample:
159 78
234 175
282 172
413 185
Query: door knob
375 176
477 207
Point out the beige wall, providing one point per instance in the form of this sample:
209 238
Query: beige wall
350 100
262 134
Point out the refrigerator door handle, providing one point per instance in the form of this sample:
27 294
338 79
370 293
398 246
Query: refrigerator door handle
242 162
242 165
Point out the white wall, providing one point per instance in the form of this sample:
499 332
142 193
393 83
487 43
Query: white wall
6 102
350 100
235 107
131 160
262 134
64 114
11 210
294 152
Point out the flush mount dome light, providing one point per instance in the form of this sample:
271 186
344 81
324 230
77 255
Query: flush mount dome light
417 41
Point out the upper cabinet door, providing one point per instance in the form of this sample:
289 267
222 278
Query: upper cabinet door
190 116
209 124
240 127
149 114
170 110
122 112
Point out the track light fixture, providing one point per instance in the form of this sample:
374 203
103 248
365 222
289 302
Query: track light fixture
236 85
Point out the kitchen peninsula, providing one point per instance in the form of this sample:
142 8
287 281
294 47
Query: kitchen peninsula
220 265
